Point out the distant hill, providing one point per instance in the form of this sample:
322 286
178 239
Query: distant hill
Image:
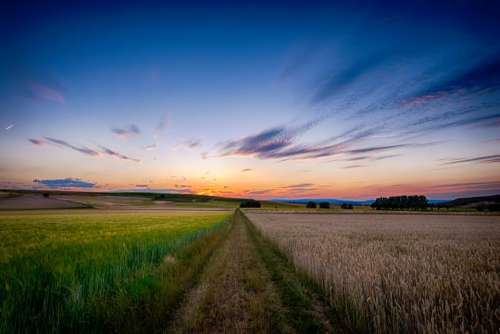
337 201
473 202
329 200
438 201
152 196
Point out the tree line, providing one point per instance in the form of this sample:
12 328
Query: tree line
401 202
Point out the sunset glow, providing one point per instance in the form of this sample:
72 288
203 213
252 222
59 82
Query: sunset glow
255 101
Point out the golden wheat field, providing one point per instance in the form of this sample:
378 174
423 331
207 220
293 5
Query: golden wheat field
398 273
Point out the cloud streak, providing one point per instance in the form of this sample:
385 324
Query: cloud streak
118 155
494 158
127 132
150 147
280 143
44 92
65 183
84 150
37 142
192 143
104 151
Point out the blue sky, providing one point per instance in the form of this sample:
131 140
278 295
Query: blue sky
346 99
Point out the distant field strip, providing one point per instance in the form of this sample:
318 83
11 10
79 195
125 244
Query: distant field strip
68 271
398 274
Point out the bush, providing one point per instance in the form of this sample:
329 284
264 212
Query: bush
311 205
250 204
347 206
324 205
160 197
46 195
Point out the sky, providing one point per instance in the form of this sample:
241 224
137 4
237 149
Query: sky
353 100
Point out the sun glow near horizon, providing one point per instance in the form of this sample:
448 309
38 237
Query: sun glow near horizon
333 101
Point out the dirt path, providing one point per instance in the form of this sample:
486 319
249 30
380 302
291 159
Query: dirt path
235 294
240 293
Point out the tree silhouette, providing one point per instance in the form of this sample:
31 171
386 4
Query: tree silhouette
417 202
311 205
251 203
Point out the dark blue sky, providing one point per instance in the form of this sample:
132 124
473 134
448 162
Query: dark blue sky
351 99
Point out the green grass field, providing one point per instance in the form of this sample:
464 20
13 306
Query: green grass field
75 271
185 270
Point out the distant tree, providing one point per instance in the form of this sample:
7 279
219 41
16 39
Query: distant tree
160 197
489 207
311 205
324 205
251 203
415 202
346 206
494 207
46 195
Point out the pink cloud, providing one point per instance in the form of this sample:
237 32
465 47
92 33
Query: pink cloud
112 153
45 92
150 147
131 130
37 142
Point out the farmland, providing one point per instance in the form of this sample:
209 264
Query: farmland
390 273
93 271
125 264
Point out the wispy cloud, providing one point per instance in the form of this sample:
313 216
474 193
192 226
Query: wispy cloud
9 127
112 153
358 158
192 143
473 120
349 74
83 149
406 90
258 192
126 132
65 183
384 157
150 147
162 125
468 188
353 166
247 170
495 158
484 74
37 142
300 185
274 143
443 190
156 190
394 105
378 148
261 144
42 91
281 143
